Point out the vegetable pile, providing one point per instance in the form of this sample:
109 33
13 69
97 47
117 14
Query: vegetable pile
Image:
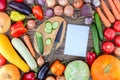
18 58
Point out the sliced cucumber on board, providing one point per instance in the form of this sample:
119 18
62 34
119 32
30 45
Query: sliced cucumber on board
55 25
48 41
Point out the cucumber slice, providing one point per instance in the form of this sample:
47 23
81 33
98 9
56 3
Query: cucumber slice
77 70
48 25
55 25
39 40
48 30
48 41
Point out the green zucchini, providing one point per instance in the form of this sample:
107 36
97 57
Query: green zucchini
39 40
55 25
25 53
48 41
96 41
99 26
48 30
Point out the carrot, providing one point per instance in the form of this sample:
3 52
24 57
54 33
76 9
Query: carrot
117 4
109 15
103 18
114 9
29 44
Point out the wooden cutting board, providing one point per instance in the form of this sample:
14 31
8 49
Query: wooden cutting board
52 35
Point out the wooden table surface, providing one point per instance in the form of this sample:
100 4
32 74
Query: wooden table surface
59 53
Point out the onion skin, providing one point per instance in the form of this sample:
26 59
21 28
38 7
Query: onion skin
60 78
69 10
78 3
63 2
31 24
117 51
50 3
40 61
58 10
50 78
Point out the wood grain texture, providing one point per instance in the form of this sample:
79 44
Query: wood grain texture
59 53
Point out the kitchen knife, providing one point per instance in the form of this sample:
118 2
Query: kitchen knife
57 40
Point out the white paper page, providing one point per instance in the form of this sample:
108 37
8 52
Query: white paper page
76 40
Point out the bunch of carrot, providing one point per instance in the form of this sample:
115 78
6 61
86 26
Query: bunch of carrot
109 16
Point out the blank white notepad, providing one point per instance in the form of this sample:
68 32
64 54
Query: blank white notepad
76 40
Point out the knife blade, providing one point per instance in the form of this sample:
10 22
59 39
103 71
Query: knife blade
57 40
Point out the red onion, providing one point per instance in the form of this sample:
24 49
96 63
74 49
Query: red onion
58 10
68 10
41 2
49 13
30 1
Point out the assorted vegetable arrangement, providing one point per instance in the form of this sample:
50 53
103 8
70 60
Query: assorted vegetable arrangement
18 58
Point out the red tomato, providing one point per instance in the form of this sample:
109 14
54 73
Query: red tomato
117 26
90 57
3 5
20 1
108 47
2 60
117 40
109 33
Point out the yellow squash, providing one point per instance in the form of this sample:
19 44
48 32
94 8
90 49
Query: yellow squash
10 54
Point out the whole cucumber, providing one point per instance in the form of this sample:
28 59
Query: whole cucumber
21 7
43 71
99 26
39 40
96 41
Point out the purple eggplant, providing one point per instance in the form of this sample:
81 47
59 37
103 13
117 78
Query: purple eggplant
21 7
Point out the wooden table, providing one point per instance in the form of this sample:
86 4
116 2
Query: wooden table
59 53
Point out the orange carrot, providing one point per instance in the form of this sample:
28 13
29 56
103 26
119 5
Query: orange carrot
103 18
29 44
114 9
109 15
117 4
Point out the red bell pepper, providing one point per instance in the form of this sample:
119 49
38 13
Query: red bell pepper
117 40
38 12
108 47
19 1
18 29
117 26
109 33
90 57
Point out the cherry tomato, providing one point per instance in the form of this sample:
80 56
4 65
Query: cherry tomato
109 33
108 47
2 60
117 40
117 26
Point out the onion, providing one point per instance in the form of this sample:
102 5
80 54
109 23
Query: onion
58 10
60 78
63 2
78 3
31 24
50 78
49 12
30 1
117 51
50 3
40 61
68 10
88 21
41 2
